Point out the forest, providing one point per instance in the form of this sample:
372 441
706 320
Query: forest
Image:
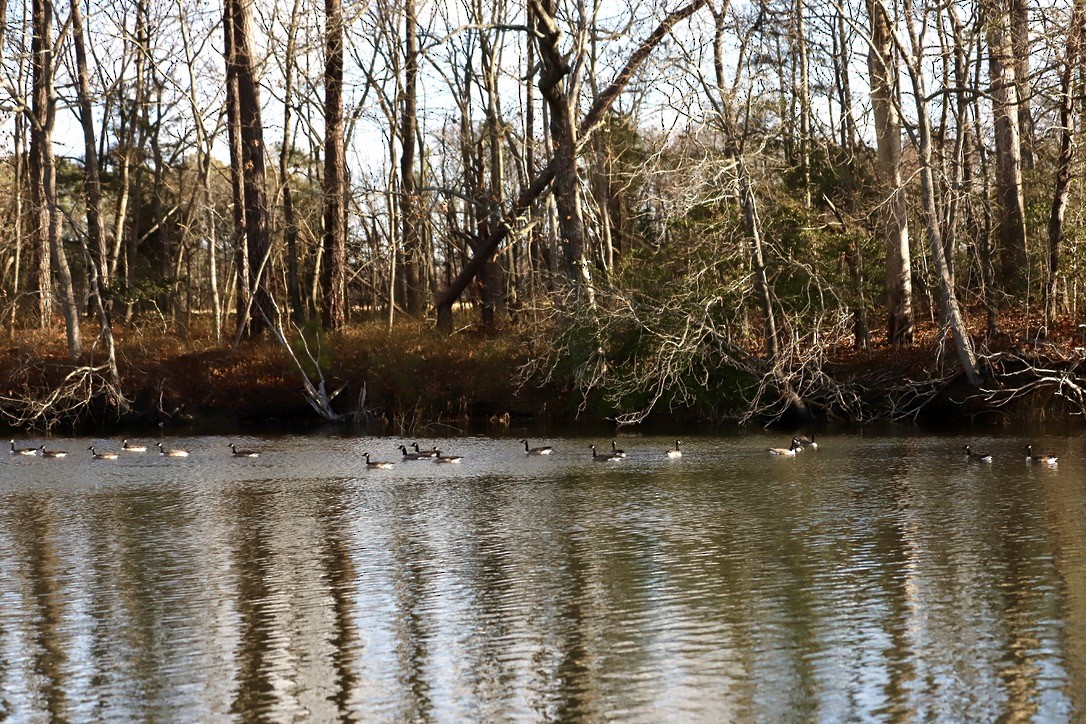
399 211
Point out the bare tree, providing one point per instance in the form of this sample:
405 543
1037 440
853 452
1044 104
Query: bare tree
334 258
242 68
841 55
541 181
922 139
1071 86
1020 44
883 65
40 167
410 213
554 86
286 149
129 139
204 145
1001 69
95 244
726 112
43 172
803 96
18 166
243 291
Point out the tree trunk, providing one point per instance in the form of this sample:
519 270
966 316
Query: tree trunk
19 184
41 50
251 131
410 216
552 86
3 28
883 67
497 277
849 133
139 126
1070 89
861 333
290 221
237 180
804 97
951 311
983 221
1020 44
97 251
204 146
952 315
748 202
45 181
753 226
334 260
1012 218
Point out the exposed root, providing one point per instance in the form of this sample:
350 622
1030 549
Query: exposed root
1018 377
84 392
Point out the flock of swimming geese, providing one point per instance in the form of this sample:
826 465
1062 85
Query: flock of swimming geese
802 442
127 447
437 456
798 445
977 457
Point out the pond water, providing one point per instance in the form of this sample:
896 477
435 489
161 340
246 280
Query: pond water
882 576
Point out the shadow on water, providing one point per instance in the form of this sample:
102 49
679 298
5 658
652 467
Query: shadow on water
253 560
33 526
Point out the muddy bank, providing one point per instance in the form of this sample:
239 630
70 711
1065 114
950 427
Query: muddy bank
404 382
392 382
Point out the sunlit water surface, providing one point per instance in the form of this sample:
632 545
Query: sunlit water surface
879 577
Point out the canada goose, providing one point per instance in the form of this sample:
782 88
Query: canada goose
413 456
431 453
52 453
1047 459
977 457
382 464
806 441
441 458
243 453
171 453
134 448
545 450
675 452
616 452
604 457
788 452
23 450
103 455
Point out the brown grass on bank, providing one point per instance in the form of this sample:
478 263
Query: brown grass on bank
409 374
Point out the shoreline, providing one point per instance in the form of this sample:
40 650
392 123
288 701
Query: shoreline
409 380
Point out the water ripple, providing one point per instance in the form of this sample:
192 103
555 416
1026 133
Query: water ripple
879 577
